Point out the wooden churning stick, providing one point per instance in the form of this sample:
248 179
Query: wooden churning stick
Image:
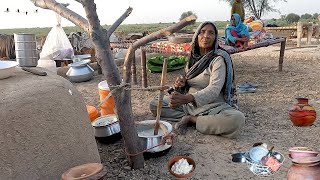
161 94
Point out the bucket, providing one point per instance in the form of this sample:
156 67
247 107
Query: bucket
108 106
26 49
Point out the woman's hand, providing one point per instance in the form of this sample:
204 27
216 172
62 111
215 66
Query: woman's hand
180 82
177 99
243 39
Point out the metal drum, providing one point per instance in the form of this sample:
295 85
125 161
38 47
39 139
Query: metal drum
26 49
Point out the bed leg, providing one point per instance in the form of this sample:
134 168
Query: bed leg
134 70
143 68
282 48
299 33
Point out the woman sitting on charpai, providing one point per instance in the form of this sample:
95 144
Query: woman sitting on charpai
237 33
204 96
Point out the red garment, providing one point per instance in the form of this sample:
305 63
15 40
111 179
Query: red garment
237 43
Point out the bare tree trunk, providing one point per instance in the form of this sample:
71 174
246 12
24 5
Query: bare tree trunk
110 71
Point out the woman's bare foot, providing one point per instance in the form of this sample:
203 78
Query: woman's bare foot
181 126
241 47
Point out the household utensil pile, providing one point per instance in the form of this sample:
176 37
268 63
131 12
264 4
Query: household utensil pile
260 160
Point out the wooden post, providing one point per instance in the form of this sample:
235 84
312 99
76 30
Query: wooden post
99 68
134 70
282 48
144 78
317 33
309 34
299 33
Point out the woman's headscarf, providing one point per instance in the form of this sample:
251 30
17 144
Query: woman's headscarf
240 28
197 63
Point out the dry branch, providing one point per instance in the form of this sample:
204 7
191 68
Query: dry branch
116 24
63 11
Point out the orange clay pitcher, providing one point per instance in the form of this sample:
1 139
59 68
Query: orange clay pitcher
108 106
92 112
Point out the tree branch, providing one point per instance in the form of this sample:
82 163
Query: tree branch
100 42
63 11
151 37
254 9
262 7
116 24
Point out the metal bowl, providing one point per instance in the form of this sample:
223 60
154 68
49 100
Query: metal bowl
149 140
257 153
278 156
239 157
7 68
77 58
105 126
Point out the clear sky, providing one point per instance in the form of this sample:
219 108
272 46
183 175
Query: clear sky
144 11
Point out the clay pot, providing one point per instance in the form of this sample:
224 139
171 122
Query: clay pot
177 158
304 171
302 114
86 171
92 112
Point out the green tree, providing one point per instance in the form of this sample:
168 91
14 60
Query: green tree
283 17
292 18
315 16
186 14
258 8
306 16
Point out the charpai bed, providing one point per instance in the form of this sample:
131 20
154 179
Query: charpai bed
183 49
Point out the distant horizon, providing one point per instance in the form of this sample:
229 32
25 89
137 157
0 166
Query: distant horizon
144 12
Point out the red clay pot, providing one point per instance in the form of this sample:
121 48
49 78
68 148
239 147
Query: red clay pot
302 114
88 171
304 171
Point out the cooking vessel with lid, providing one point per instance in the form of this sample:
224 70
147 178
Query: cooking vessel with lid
105 126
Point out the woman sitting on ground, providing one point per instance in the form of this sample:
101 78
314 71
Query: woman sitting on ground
204 96
237 33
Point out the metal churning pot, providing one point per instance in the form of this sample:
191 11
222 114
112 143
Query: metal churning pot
146 134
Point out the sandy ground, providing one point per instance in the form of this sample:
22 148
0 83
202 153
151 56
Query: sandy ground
266 114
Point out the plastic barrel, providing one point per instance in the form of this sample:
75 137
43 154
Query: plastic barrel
26 49
108 106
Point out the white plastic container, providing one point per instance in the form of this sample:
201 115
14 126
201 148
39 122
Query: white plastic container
48 64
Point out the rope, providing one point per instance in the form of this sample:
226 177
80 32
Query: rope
126 87
110 93
163 141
